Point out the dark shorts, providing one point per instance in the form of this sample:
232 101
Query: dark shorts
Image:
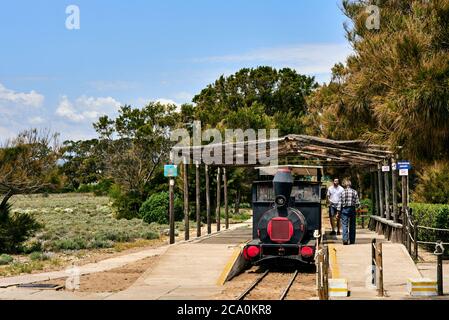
332 211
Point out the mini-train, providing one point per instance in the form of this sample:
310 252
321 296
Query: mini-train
286 216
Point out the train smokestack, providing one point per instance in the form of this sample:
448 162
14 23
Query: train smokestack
283 184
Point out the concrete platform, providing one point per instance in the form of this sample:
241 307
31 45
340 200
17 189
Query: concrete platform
353 262
190 271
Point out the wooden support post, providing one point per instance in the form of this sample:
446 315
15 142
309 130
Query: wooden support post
376 194
218 209
404 198
381 191
209 222
394 187
225 194
322 271
415 237
186 201
171 211
373 263
373 194
326 273
198 203
440 274
387 194
380 269
377 267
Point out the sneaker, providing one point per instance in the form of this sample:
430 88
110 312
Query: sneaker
333 233
345 243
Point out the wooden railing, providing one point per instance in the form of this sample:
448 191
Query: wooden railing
322 272
407 233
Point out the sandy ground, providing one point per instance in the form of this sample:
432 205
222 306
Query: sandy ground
114 280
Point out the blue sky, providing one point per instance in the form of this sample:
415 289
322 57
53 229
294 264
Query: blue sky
140 50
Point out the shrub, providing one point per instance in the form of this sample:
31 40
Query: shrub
70 244
38 256
15 228
367 203
433 186
155 209
433 216
127 205
32 246
5 259
102 188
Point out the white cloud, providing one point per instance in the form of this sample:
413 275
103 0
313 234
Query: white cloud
167 101
31 99
185 97
86 108
316 58
36 120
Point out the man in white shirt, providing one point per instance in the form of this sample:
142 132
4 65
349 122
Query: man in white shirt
333 199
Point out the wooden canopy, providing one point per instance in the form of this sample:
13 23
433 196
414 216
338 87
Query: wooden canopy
302 149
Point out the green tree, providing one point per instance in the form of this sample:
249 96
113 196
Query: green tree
256 98
136 144
394 88
83 163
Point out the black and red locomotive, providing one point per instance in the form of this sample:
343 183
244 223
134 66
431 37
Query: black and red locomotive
286 217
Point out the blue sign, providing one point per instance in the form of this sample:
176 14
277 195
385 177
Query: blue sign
170 171
404 165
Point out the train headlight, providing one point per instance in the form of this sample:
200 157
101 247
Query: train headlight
281 201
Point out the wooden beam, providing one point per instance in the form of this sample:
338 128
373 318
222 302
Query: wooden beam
198 203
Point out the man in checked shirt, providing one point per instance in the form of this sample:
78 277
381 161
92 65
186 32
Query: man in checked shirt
346 207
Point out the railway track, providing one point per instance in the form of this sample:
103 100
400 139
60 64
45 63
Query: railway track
282 295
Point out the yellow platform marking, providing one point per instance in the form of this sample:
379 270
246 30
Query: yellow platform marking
333 261
338 290
424 290
224 275
424 284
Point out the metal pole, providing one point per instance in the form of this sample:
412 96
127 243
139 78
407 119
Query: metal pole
198 204
171 210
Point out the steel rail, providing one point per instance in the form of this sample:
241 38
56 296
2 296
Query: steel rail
253 285
290 283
